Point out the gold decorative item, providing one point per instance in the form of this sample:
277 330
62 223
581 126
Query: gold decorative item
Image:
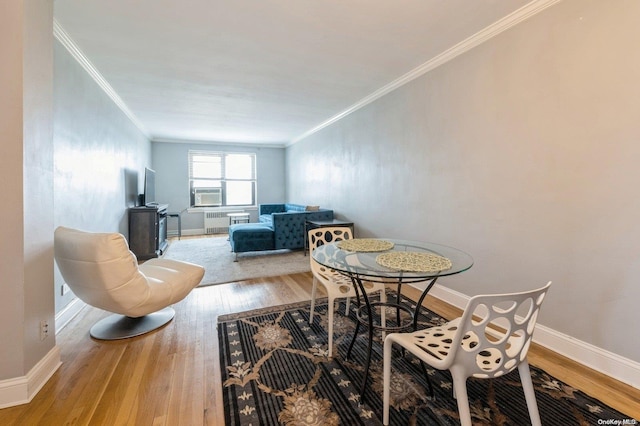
413 261
365 245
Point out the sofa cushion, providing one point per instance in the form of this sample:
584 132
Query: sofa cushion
294 208
264 209
267 219
245 237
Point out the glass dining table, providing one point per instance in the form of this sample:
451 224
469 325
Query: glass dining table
390 261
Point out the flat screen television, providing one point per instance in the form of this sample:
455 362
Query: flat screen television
150 187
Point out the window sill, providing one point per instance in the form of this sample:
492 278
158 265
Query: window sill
221 209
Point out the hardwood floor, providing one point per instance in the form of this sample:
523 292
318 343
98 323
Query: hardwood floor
172 377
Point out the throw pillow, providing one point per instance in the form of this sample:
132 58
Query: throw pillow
313 208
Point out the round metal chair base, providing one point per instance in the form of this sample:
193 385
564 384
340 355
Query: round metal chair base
117 326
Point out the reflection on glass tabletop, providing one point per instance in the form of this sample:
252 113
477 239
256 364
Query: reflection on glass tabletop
421 260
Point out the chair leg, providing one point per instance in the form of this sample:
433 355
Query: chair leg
330 330
386 388
346 306
313 299
460 388
383 312
426 376
529 393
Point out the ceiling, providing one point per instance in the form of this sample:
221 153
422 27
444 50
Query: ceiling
261 71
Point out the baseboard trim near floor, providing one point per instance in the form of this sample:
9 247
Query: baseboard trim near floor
191 232
67 313
603 361
20 390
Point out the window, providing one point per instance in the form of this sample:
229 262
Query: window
222 179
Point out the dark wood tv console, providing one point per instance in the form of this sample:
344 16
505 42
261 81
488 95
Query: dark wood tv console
148 230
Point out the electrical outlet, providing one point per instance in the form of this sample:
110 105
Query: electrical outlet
44 329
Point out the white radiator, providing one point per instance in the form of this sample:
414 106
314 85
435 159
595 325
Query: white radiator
217 222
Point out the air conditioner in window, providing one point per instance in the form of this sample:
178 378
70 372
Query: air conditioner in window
207 197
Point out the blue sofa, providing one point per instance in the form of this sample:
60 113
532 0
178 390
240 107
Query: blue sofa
280 226
288 220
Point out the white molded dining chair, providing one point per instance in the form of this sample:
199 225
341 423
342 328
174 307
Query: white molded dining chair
490 339
336 285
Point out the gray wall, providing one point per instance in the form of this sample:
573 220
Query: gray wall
170 161
99 156
26 255
523 152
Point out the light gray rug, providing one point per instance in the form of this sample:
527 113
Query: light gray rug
214 253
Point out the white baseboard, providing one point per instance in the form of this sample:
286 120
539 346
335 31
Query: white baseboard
193 231
20 390
68 313
605 362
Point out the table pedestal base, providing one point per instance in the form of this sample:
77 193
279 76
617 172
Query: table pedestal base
366 312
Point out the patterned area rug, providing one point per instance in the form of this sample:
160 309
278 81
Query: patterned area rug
275 370
214 253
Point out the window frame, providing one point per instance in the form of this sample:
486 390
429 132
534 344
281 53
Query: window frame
222 180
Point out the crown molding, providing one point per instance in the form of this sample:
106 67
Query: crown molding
522 14
220 142
61 35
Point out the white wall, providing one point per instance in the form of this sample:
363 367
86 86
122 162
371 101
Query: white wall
99 157
98 154
523 152
26 256
11 227
38 178
170 161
